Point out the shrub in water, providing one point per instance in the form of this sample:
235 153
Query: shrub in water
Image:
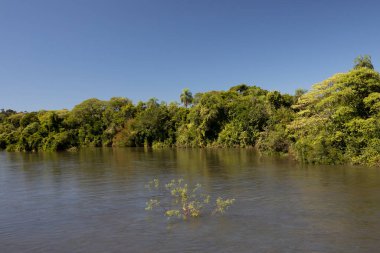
178 199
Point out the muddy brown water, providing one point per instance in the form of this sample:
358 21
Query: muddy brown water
93 201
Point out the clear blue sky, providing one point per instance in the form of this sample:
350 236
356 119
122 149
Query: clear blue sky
56 53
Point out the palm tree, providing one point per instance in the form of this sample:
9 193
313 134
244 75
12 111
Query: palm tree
186 97
363 62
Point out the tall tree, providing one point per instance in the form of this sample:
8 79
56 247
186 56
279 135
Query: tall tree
186 97
363 62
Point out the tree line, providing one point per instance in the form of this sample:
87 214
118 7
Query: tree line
336 121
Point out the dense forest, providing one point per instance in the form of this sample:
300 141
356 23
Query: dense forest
336 121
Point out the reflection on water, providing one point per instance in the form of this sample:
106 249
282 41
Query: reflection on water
93 201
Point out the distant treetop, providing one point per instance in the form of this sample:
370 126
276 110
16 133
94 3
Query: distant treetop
186 97
363 62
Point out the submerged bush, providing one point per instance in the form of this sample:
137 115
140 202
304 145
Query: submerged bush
178 199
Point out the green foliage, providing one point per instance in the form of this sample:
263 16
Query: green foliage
277 100
207 116
232 135
186 97
233 118
336 121
363 62
241 88
178 199
222 205
274 138
152 124
229 119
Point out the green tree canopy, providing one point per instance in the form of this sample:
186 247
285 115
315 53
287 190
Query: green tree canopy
337 120
186 97
363 62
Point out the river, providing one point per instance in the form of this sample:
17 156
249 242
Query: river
93 201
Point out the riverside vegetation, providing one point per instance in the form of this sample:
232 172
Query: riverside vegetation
336 121
178 199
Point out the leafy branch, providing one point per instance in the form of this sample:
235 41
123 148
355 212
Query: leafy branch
177 199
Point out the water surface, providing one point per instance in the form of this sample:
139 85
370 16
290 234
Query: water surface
94 200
